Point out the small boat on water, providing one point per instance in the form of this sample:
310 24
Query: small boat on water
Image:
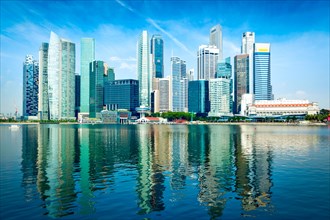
14 127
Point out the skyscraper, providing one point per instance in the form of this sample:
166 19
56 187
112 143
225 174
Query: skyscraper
77 95
216 39
207 58
157 51
221 89
198 96
98 76
61 77
262 72
241 76
87 55
43 107
165 94
248 39
30 86
144 69
178 73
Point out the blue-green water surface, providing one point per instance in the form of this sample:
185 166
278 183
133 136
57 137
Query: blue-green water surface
164 172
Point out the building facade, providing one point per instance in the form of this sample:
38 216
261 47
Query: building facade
77 95
220 97
122 94
241 79
178 68
165 94
207 59
216 39
87 55
144 69
248 40
198 96
61 78
98 76
262 72
30 86
157 51
43 107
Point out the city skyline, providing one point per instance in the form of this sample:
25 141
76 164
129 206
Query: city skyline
299 38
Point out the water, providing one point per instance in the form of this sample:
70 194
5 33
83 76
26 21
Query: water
165 172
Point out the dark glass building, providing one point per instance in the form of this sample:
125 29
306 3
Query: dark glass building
198 96
30 86
122 94
77 96
157 51
241 75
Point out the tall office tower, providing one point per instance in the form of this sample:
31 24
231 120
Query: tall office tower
221 90
43 107
61 77
98 76
144 69
184 94
178 71
190 75
111 74
241 76
77 95
165 94
261 72
207 59
157 51
122 94
198 96
216 39
30 86
87 55
248 39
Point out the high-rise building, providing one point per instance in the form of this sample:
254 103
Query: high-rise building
221 90
157 51
122 94
30 86
165 94
178 73
198 96
77 95
248 40
241 76
144 68
87 55
98 77
111 74
43 100
262 72
207 59
190 75
61 77
216 39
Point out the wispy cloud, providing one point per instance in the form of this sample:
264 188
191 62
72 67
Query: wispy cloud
114 58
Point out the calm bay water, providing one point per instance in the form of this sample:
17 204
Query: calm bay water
164 172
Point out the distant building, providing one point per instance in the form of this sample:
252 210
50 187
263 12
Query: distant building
43 99
165 94
157 51
216 39
246 101
241 79
111 74
198 96
262 72
122 94
30 86
87 55
207 59
144 69
98 77
190 75
248 40
282 107
178 73
77 95
61 78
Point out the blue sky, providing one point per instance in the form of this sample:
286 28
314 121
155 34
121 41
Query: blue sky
298 31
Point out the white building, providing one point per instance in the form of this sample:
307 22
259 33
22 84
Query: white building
282 107
216 39
248 39
61 77
165 94
246 101
207 59
219 97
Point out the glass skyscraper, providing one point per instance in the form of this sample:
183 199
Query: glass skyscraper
144 69
241 76
30 86
178 74
262 76
198 96
43 107
61 77
207 58
98 77
87 55
157 51
216 39
248 39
